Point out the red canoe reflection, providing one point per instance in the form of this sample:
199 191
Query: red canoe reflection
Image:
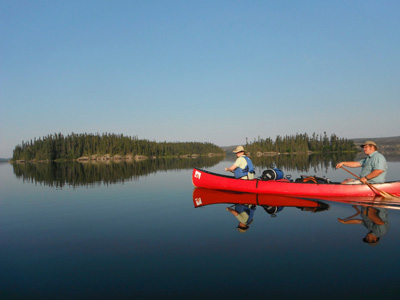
202 197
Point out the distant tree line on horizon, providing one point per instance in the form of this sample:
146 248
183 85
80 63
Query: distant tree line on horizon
301 143
73 146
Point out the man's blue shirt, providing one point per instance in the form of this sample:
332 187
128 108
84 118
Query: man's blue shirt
375 161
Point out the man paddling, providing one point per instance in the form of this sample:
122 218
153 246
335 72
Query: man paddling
374 166
243 167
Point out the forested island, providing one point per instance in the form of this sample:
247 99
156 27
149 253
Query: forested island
300 143
106 146
57 147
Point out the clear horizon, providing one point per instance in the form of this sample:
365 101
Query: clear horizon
204 71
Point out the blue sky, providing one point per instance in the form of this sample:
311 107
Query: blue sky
215 71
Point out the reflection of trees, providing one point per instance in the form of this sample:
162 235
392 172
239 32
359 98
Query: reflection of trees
303 162
77 174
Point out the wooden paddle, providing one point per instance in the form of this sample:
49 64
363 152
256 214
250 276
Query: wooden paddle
381 193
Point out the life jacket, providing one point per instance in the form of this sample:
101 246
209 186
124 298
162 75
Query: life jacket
239 172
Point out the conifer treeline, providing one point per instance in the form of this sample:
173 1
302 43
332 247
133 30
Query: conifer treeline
302 143
73 146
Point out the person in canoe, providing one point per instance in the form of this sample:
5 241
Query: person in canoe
374 166
243 167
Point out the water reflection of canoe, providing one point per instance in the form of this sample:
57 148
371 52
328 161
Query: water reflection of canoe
209 180
202 197
376 201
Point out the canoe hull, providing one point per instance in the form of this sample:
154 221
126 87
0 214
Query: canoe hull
209 180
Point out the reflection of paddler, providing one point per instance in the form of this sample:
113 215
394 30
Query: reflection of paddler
244 214
375 219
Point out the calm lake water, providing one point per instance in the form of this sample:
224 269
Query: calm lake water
133 231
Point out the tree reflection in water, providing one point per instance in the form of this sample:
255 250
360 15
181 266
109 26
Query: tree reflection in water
109 172
303 162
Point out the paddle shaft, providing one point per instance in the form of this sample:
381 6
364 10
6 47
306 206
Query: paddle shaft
351 173
382 193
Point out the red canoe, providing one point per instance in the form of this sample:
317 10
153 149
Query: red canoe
209 180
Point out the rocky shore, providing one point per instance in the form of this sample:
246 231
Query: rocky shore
129 157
